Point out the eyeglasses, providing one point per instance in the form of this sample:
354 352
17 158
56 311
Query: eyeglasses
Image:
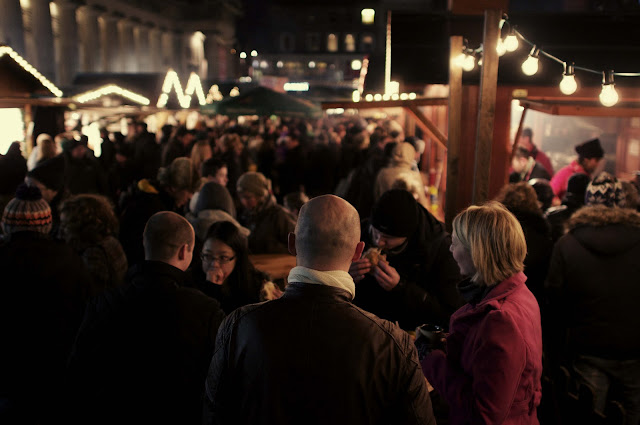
222 259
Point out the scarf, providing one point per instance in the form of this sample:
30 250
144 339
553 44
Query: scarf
336 278
473 292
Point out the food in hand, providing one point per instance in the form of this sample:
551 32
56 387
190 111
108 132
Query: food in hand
215 276
270 292
374 255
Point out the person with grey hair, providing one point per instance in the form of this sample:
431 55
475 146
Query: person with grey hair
268 222
311 356
142 352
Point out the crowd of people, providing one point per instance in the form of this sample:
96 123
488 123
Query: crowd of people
129 294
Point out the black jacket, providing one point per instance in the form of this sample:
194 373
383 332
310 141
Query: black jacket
312 357
537 234
43 292
427 292
593 286
142 352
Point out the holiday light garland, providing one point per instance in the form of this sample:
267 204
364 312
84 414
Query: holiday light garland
608 96
6 50
171 81
111 89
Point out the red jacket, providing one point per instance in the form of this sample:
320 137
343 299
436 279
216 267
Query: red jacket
560 180
491 372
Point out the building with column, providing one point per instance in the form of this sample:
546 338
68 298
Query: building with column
63 38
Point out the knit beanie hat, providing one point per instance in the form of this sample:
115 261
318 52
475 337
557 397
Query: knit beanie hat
395 213
254 183
590 149
605 190
50 173
214 196
179 175
27 212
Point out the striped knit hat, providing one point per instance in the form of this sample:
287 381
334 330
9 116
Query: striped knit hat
27 212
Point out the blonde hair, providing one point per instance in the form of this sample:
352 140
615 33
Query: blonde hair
200 152
495 240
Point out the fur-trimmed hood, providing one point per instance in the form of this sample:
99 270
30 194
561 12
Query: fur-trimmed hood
604 229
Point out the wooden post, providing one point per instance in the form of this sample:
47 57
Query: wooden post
487 106
453 135
519 132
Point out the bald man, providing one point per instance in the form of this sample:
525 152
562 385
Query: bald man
143 351
312 357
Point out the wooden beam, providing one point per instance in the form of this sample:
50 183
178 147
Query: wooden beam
454 131
518 133
624 110
487 105
427 101
427 126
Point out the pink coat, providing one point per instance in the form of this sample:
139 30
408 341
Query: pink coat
560 180
491 372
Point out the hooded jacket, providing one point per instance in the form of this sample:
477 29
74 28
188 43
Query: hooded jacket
593 285
402 166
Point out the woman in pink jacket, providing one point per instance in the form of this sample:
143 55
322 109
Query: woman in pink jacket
490 373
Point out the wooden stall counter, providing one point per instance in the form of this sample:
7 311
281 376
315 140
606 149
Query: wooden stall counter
275 265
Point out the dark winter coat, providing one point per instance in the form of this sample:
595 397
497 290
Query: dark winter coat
537 234
593 286
493 365
144 199
558 216
85 175
43 292
270 225
427 290
312 357
142 353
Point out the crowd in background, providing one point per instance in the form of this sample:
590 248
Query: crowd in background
73 226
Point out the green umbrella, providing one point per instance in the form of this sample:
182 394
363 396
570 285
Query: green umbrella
264 102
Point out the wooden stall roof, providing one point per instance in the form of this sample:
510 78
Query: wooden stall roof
583 107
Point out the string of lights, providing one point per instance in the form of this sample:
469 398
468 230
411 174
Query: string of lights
511 42
171 81
6 50
111 89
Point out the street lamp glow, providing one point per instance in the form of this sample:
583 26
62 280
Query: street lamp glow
368 16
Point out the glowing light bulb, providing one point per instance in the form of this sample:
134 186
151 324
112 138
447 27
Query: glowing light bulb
511 43
609 95
369 97
568 84
468 63
355 96
377 97
501 48
254 53
243 55
530 66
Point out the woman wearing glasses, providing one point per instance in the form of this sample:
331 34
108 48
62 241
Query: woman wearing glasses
229 275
